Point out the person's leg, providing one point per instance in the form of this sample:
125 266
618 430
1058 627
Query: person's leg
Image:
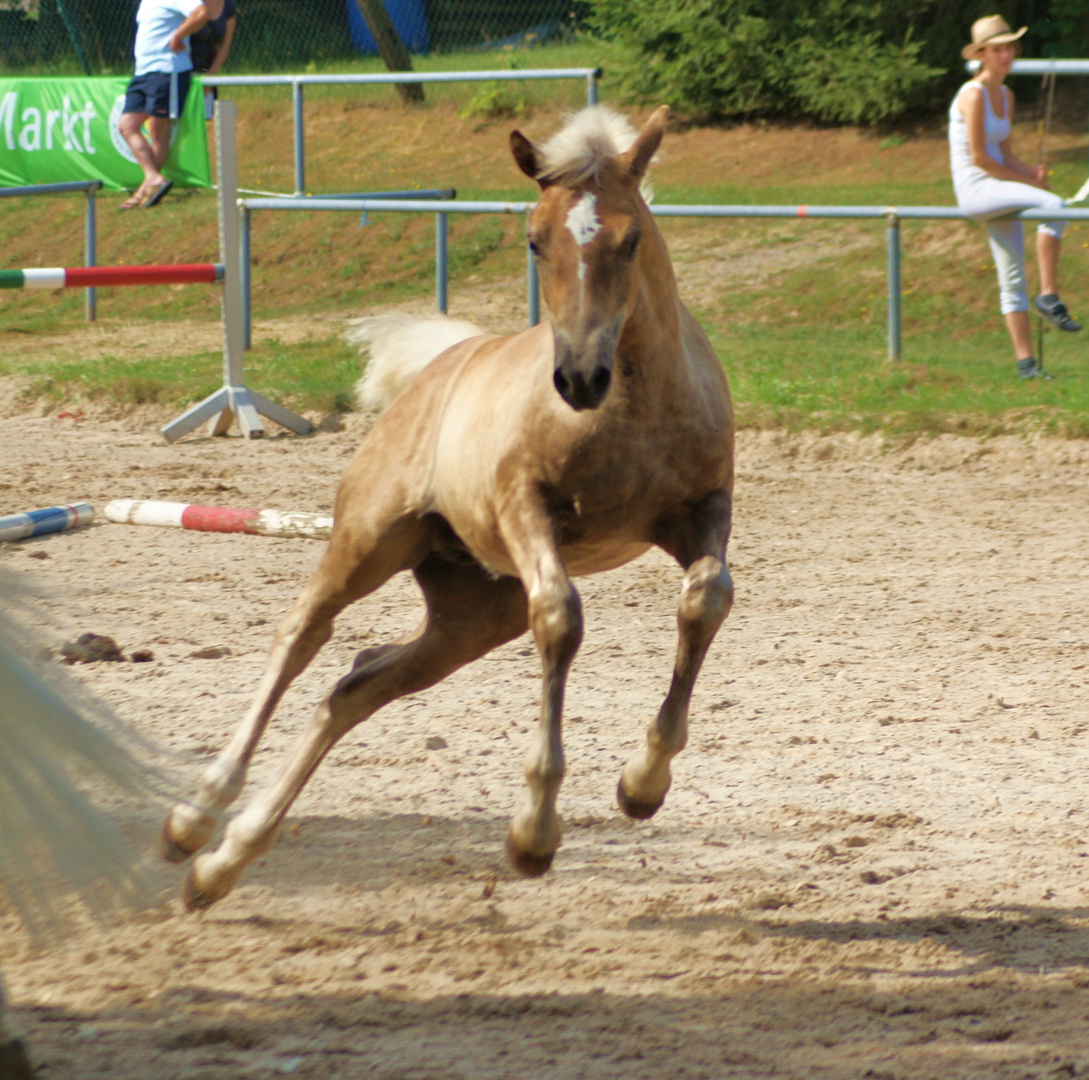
130 126
1048 244
1017 323
158 128
165 103
1047 256
1008 249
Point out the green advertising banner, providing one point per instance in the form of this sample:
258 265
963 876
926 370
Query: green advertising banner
52 130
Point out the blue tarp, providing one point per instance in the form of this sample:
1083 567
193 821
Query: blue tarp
409 21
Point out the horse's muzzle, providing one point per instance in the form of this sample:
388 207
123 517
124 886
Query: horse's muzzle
582 378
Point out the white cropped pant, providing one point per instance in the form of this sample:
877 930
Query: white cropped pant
986 198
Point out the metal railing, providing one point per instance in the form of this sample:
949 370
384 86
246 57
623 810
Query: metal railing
308 202
892 216
89 188
297 82
1042 67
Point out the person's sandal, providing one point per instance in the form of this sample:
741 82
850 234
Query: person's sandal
157 193
1054 310
133 202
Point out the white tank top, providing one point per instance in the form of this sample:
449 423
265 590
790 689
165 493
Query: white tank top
995 130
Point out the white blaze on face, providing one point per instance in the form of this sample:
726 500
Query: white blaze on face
582 222
583 225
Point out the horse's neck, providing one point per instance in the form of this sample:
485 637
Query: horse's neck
651 337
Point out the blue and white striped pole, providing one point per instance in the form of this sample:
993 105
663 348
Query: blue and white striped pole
50 520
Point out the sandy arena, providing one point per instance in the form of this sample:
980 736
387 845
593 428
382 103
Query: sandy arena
872 862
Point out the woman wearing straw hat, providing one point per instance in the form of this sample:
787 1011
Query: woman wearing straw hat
990 181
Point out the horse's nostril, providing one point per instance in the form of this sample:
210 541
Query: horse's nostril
599 384
562 384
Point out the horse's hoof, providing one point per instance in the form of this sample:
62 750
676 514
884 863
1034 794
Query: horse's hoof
633 807
193 898
526 863
169 848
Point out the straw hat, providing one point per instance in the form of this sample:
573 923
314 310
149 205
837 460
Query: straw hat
990 30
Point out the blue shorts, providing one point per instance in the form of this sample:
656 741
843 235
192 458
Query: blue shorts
158 93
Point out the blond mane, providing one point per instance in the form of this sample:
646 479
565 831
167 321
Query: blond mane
579 150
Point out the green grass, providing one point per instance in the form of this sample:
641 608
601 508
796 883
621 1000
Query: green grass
809 348
803 340
317 375
801 378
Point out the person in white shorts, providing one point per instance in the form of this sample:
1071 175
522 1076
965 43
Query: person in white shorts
159 86
991 182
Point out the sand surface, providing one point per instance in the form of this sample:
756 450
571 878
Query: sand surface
871 864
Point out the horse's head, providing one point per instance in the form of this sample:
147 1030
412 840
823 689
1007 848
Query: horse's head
585 234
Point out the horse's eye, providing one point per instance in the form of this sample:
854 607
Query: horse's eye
534 248
629 245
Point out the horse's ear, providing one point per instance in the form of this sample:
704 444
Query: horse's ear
525 153
646 145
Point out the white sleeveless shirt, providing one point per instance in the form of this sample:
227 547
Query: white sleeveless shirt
995 130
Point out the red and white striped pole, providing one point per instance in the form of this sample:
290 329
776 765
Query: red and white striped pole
220 519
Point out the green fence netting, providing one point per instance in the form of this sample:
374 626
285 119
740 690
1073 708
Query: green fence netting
95 36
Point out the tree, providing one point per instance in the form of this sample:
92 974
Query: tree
390 47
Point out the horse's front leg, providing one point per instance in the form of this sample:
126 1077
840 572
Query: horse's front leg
707 593
358 560
306 628
555 617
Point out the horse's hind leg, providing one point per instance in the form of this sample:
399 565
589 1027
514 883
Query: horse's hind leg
707 593
341 577
468 614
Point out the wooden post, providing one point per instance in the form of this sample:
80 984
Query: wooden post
390 46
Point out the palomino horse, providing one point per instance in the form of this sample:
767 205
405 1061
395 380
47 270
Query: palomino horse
507 466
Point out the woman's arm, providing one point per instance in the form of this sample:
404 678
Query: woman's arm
1035 175
224 48
971 106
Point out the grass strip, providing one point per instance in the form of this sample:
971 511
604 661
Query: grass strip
315 376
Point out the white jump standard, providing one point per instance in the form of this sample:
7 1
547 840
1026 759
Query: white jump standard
233 400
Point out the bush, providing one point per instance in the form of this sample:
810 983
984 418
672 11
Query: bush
836 61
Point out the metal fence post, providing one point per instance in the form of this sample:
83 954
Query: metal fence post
591 86
533 292
89 296
440 263
297 112
892 241
244 274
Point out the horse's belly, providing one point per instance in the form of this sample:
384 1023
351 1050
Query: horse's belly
594 558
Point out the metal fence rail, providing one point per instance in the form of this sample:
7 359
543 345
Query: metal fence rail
297 82
414 198
892 216
1042 67
89 189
